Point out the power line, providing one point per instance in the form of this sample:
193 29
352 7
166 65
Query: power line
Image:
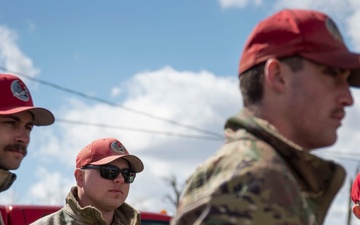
341 155
214 134
139 130
83 95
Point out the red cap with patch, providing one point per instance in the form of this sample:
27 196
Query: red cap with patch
307 33
104 151
15 98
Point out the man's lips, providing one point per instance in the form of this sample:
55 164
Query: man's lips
338 114
116 191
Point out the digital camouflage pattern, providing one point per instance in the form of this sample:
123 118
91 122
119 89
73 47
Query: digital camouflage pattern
73 214
258 177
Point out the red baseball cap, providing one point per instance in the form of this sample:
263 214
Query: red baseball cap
106 150
307 33
355 190
15 98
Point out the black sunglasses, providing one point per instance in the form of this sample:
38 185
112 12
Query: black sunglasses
111 172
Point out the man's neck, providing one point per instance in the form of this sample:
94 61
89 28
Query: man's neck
108 216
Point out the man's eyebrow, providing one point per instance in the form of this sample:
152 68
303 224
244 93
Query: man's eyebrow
17 119
339 70
13 117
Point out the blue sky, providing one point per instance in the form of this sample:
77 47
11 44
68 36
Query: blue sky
171 59
120 39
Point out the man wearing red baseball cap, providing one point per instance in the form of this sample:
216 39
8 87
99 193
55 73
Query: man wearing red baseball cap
104 172
17 118
295 73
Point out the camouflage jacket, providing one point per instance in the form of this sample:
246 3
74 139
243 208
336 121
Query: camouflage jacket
6 180
259 177
73 214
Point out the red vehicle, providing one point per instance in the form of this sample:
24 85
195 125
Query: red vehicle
26 214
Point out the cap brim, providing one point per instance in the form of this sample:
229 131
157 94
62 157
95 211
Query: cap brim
354 79
42 117
135 163
339 59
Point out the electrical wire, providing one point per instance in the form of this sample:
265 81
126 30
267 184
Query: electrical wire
349 156
139 130
83 95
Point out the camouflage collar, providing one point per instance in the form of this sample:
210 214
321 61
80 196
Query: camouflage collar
6 179
316 174
124 214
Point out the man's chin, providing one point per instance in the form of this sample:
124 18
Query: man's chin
13 166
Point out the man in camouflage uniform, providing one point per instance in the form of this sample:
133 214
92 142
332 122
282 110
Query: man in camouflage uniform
17 118
295 73
104 171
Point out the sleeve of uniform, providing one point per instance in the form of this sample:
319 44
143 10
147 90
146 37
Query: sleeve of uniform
257 197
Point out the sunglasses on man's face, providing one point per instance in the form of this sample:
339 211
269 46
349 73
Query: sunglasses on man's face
112 172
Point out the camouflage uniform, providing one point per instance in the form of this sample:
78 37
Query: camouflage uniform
6 180
259 177
73 214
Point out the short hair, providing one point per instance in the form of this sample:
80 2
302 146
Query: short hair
251 81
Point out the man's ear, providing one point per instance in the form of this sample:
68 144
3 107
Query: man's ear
356 210
274 74
79 177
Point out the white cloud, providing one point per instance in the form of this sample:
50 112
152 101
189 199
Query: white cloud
353 24
185 97
115 91
238 3
328 6
51 187
11 55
